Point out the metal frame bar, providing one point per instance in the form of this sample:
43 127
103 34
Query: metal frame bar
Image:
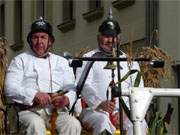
140 99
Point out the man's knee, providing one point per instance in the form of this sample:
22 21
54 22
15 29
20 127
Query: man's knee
74 123
34 122
71 126
33 125
70 122
102 119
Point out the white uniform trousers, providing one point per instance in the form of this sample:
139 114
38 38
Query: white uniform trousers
35 123
99 121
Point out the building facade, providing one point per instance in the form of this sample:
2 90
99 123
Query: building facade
75 24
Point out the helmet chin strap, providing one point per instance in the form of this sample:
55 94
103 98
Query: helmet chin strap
106 52
45 54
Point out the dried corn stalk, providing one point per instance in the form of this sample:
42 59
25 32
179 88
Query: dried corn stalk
3 62
3 67
82 51
152 75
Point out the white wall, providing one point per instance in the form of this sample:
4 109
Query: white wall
169 19
9 27
132 20
170 27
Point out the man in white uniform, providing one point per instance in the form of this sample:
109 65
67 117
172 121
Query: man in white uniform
33 80
96 115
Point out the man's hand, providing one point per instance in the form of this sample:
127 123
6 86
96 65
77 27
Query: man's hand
60 101
42 99
107 106
116 120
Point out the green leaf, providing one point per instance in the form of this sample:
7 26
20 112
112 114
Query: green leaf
157 126
130 72
138 79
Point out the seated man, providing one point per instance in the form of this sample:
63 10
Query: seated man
33 81
102 113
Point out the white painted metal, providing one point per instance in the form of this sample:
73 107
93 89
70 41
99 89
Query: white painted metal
140 99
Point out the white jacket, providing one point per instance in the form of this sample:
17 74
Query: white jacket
28 74
97 82
95 90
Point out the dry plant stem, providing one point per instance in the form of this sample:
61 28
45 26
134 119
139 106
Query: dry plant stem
151 75
3 67
3 64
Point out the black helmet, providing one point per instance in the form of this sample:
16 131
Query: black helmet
110 26
40 25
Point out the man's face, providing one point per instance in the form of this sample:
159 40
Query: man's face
106 42
40 43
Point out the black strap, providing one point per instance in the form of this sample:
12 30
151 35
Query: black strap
126 109
84 76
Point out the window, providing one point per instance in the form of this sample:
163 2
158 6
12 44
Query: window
94 4
120 4
2 26
95 11
67 16
17 25
152 22
67 10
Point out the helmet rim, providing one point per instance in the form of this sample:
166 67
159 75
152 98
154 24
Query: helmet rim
110 27
40 25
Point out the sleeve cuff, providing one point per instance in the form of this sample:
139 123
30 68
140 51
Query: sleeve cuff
72 97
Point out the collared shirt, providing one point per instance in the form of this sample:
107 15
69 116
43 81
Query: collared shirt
98 80
28 74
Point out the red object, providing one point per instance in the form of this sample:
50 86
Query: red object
111 115
113 100
83 103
